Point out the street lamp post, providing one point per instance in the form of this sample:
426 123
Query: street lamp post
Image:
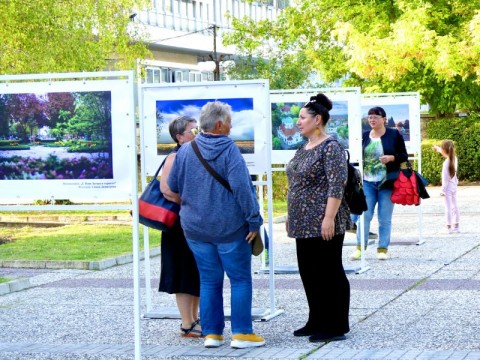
216 72
213 65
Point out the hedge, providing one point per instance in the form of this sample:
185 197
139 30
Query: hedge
465 133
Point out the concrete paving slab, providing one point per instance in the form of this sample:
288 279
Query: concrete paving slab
420 304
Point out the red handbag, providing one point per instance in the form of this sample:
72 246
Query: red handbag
405 189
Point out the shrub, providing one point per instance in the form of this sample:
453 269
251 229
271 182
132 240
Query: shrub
431 162
50 202
279 185
465 133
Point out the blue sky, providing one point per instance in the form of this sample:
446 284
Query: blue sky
243 115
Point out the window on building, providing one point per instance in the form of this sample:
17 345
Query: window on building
155 75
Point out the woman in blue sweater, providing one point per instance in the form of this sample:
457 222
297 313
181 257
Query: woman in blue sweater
219 225
383 152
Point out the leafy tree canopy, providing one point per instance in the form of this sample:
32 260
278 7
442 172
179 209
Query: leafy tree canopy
69 36
428 46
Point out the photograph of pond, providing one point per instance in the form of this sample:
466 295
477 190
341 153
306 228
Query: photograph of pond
56 135
243 119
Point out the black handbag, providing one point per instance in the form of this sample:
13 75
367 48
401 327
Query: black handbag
154 210
354 194
257 243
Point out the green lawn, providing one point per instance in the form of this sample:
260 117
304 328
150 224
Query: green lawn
87 242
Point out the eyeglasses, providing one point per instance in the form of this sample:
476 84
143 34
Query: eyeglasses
194 131
375 117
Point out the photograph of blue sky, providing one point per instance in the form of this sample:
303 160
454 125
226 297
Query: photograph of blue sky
339 108
244 116
399 112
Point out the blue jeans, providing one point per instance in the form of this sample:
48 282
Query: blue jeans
375 196
213 261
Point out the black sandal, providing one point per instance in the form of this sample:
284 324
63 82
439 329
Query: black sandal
194 331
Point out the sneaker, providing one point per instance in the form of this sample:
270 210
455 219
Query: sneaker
243 341
356 255
382 256
372 236
213 341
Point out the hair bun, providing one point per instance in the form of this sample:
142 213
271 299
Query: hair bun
324 100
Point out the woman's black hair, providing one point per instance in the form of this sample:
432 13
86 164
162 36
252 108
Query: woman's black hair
377 110
319 105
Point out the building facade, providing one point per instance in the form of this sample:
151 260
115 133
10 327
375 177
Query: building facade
185 36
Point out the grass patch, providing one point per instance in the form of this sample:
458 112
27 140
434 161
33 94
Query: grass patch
4 280
279 208
77 241
85 242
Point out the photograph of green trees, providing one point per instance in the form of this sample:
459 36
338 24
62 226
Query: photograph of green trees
62 135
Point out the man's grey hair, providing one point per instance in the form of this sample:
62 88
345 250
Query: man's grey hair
212 112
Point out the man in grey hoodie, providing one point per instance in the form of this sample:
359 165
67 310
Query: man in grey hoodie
219 225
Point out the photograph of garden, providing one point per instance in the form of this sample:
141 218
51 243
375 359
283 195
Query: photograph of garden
286 135
58 135
243 119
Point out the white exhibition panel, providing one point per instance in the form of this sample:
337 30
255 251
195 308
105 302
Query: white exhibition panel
399 107
250 104
343 124
251 129
109 175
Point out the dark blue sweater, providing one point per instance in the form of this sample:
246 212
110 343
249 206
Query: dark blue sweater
209 212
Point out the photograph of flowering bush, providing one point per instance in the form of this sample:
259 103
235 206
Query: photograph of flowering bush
63 135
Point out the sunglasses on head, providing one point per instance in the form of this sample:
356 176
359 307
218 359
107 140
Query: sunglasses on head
309 103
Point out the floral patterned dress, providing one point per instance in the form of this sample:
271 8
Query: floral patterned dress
314 175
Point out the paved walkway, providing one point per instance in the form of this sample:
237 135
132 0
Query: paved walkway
423 303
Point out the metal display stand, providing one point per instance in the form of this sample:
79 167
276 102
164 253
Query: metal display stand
123 83
410 100
158 312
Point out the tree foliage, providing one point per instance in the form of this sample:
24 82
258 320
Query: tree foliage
428 46
69 36
25 112
78 115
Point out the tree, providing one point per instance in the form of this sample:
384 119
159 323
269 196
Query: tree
390 122
68 36
382 46
92 119
25 112
4 124
59 106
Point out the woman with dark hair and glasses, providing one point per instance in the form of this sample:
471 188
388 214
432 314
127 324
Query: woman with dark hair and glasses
318 216
383 152
179 274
